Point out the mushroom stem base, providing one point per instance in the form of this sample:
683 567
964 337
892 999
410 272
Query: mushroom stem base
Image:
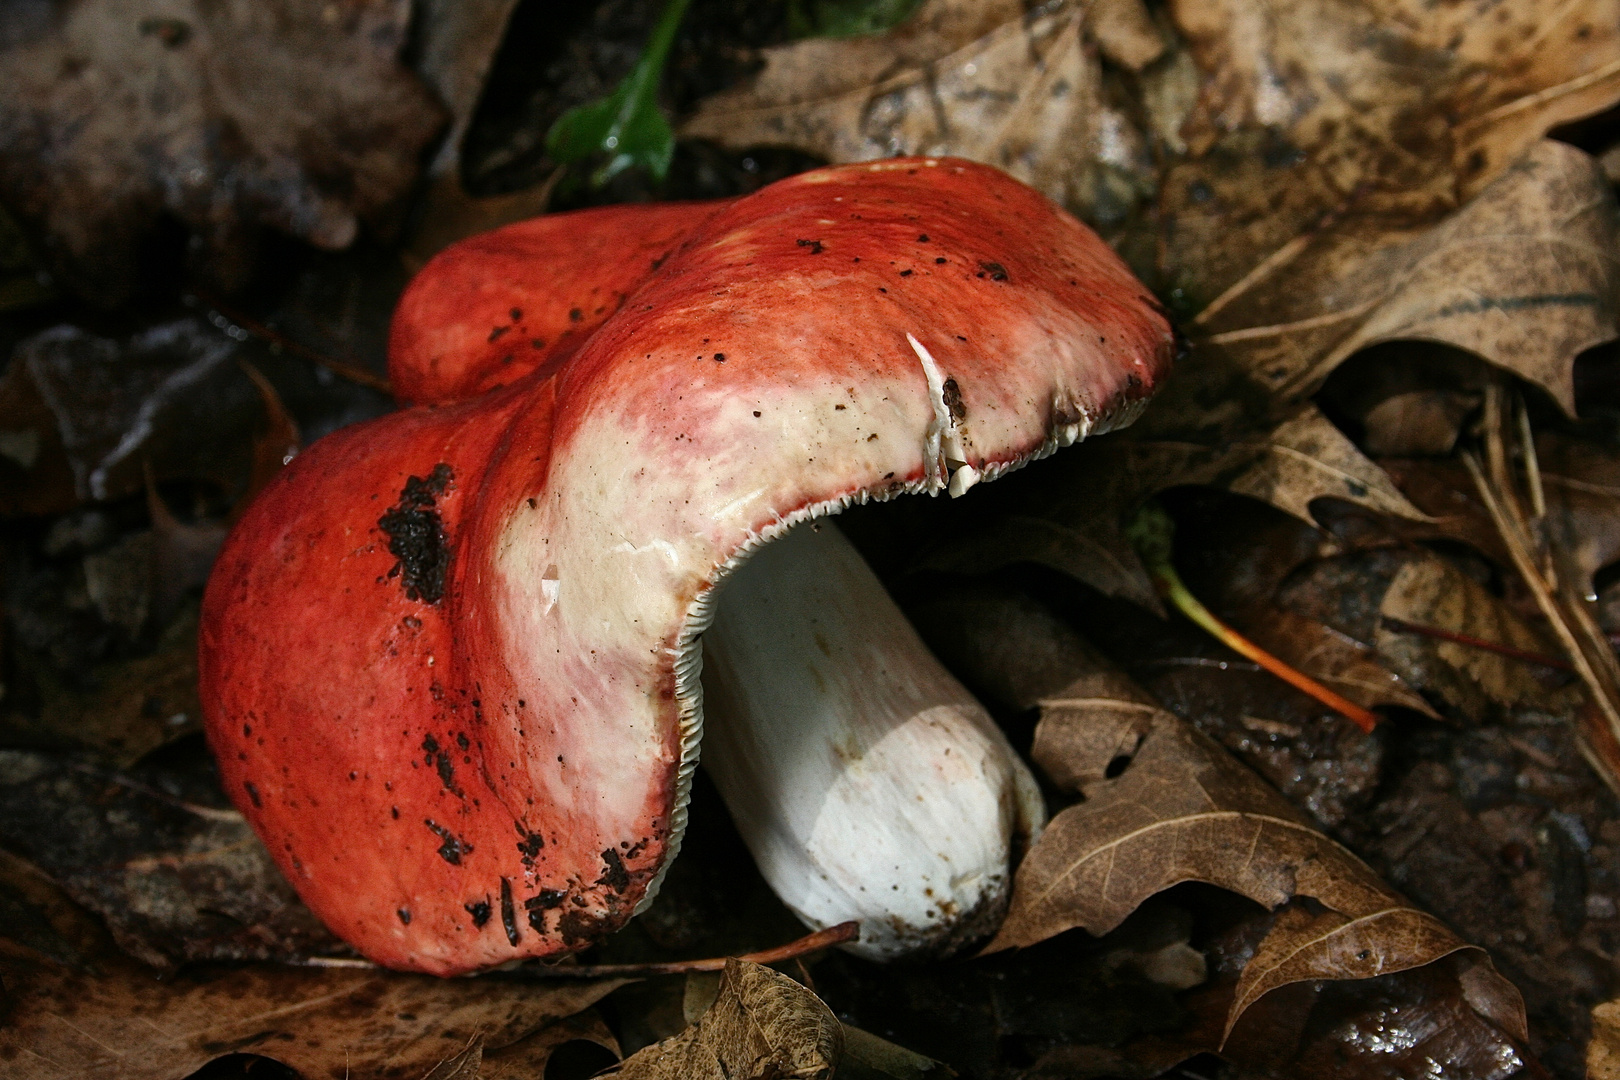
865 779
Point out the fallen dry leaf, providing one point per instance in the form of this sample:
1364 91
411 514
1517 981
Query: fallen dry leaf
990 80
1370 595
1317 111
1603 1052
458 46
124 1024
1524 275
1306 458
177 877
527 1058
91 410
762 1025
1386 92
1184 810
227 117
1581 479
122 711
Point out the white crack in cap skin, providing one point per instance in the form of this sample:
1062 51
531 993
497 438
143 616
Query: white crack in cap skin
866 780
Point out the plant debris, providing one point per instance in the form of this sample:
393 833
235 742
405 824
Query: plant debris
1390 453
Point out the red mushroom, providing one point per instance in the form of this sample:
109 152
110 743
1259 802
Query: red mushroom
450 658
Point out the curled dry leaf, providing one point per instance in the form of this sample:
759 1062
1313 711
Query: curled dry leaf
761 1026
1524 275
228 117
1184 810
992 81
1305 458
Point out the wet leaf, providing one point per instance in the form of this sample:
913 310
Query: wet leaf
1523 275
230 119
123 711
991 81
627 127
123 1024
762 1025
175 873
1386 935
90 410
1419 1022
1183 810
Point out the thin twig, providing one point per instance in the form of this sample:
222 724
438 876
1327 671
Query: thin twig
353 372
1403 627
821 939
1600 733
1532 463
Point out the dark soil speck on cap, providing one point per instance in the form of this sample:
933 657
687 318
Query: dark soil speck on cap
615 876
479 910
453 846
416 536
508 913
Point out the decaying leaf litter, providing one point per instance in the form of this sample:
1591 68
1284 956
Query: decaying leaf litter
1347 222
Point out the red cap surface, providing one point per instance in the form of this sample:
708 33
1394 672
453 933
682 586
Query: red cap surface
449 656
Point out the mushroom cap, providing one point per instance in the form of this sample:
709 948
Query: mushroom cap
449 657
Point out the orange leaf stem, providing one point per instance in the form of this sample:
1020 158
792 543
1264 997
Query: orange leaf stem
1152 532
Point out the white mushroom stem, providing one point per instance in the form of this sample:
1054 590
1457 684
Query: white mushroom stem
865 779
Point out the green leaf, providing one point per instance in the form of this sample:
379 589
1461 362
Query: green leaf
846 18
627 126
